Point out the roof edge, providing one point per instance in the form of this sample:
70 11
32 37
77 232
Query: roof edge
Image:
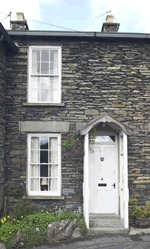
79 34
8 41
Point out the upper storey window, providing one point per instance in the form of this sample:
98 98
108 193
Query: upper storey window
44 74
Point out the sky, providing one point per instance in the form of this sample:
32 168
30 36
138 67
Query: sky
78 15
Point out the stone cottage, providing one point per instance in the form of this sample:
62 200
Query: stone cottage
75 119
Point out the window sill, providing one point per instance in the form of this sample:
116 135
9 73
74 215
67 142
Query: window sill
43 104
44 197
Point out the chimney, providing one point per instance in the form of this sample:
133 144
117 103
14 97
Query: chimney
20 23
109 25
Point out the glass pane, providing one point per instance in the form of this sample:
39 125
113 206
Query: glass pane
34 143
44 55
45 82
35 61
35 87
35 156
35 184
44 170
53 184
53 150
53 62
102 139
44 68
35 170
55 96
44 184
34 82
45 95
44 143
54 56
34 95
43 156
53 68
53 171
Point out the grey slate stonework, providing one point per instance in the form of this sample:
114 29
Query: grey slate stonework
2 121
97 76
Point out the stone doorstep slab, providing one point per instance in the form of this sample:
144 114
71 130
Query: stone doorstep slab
134 231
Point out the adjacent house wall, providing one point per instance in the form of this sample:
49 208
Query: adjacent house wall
2 121
97 76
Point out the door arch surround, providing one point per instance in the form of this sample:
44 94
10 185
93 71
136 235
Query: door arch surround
122 131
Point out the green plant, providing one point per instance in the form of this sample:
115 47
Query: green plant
70 141
7 230
141 211
22 208
12 243
33 227
34 238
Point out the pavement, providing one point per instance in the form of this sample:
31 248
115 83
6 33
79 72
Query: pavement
135 240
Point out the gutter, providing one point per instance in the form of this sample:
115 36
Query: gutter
78 34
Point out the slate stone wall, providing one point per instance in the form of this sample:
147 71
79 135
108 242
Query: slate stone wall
2 121
98 76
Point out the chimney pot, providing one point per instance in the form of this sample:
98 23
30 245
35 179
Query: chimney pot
109 18
20 16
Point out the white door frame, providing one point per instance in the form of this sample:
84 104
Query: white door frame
123 189
123 186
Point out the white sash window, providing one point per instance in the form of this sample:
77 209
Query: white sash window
44 172
44 74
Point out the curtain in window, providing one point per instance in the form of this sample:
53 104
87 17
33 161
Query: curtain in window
54 165
35 181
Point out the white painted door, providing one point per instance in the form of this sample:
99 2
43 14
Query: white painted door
103 179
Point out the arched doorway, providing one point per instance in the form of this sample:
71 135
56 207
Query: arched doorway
105 186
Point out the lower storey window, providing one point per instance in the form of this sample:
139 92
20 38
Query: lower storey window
44 157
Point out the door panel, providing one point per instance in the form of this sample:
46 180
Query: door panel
103 179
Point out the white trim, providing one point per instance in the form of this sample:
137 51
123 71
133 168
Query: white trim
59 71
86 190
44 193
124 191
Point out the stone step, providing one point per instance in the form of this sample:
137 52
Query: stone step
104 216
110 230
105 223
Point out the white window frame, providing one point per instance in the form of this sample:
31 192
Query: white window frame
44 193
46 75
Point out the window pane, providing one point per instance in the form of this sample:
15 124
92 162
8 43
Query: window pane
43 156
55 96
54 89
35 61
45 82
45 95
35 156
44 184
35 184
53 171
44 143
54 56
35 171
44 55
44 68
34 143
53 184
53 62
44 170
53 68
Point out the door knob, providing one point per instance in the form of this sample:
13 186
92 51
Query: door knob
114 185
